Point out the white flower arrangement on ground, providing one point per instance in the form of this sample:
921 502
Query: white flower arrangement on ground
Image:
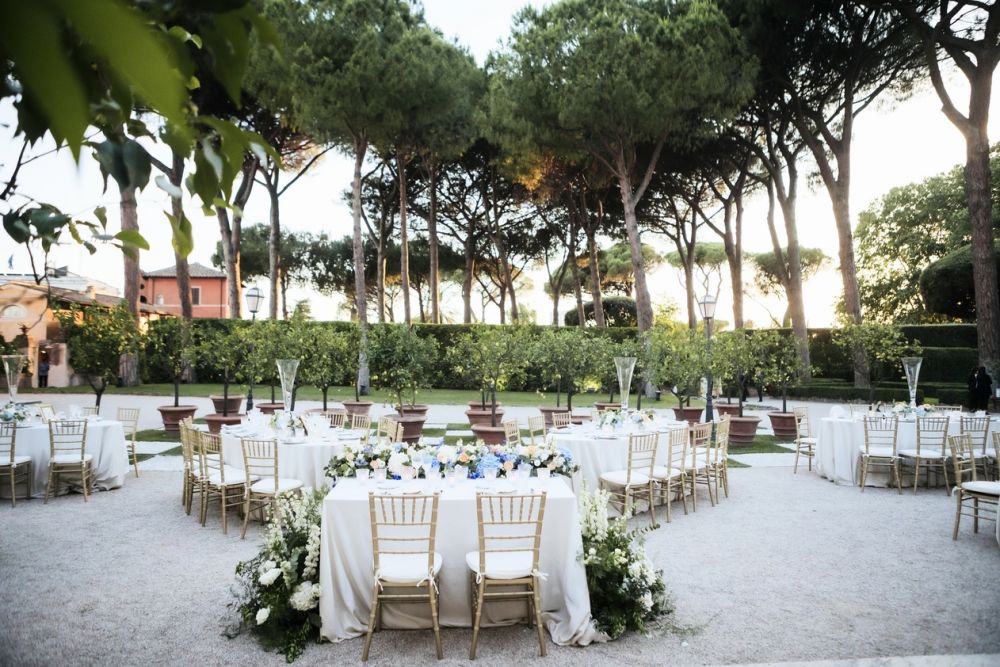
277 593
627 592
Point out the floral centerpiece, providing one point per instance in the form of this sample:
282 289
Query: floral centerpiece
627 592
12 412
277 593
905 409
351 459
285 419
610 419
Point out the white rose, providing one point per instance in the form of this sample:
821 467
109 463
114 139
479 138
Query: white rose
262 615
270 576
397 461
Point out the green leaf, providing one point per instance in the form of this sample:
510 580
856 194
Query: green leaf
137 164
17 227
183 237
101 214
164 184
132 237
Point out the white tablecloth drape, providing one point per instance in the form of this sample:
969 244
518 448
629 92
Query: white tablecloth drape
839 442
304 460
599 451
346 574
105 443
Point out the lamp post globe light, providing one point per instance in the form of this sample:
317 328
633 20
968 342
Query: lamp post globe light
254 297
707 307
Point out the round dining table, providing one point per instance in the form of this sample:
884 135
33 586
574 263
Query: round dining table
303 458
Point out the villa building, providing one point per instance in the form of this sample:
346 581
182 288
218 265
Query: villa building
209 288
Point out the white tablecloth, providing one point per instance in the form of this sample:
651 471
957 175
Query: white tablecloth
303 460
346 565
599 451
105 442
839 442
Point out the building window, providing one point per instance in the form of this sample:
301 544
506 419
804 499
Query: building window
159 299
195 296
14 312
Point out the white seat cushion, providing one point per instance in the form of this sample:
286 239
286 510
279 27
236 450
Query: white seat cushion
808 441
69 458
988 488
881 452
620 478
267 485
925 453
406 568
663 472
18 460
502 565
234 476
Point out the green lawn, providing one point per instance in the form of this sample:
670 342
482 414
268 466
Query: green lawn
157 435
762 444
432 396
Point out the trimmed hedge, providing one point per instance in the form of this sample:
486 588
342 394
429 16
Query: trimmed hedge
846 392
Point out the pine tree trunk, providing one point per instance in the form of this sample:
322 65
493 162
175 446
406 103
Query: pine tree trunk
432 241
380 273
360 300
643 306
181 263
231 236
130 221
274 244
595 278
404 239
468 272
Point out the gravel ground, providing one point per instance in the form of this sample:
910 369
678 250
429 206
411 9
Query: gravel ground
790 568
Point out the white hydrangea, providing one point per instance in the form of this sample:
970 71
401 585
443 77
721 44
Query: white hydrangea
262 615
270 576
305 596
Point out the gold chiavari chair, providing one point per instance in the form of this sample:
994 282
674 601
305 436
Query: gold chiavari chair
932 433
805 443
362 423
511 432
561 419
510 537
260 463
192 464
46 412
16 468
636 480
978 429
720 456
951 410
671 478
218 480
386 429
68 454
879 448
338 418
91 411
977 492
858 409
699 470
129 417
404 530
536 427
995 459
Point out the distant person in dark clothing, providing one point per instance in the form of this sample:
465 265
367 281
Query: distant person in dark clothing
43 373
982 389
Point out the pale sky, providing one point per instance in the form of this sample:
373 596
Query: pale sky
894 144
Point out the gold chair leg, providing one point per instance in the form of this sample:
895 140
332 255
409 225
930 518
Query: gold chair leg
432 596
916 475
48 485
975 514
864 472
479 615
13 491
225 501
371 623
958 514
795 470
537 604
246 516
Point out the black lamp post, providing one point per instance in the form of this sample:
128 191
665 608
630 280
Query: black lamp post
707 308
254 298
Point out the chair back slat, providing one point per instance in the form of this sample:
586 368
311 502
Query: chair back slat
260 458
360 422
560 419
511 432
963 457
802 428
677 441
699 445
881 431
721 450
129 417
536 427
68 437
90 410
337 418
978 429
211 455
641 454
932 434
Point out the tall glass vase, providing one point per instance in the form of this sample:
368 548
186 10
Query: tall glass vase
624 366
286 373
12 365
911 365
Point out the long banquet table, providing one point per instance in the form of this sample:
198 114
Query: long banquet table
346 575
105 443
839 441
598 451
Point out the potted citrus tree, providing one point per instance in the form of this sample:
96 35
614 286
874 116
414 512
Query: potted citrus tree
97 338
734 354
357 406
226 352
493 357
679 362
165 350
327 358
780 366
401 362
881 344
545 352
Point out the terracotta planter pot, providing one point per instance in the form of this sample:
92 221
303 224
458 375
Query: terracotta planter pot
547 411
783 424
580 419
413 426
731 409
491 435
478 405
742 431
419 410
233 402
217 421
172 416
690 415
607 405
477 416
269 408
358 407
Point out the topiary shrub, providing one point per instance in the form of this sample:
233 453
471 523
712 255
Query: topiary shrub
948 286
619 311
